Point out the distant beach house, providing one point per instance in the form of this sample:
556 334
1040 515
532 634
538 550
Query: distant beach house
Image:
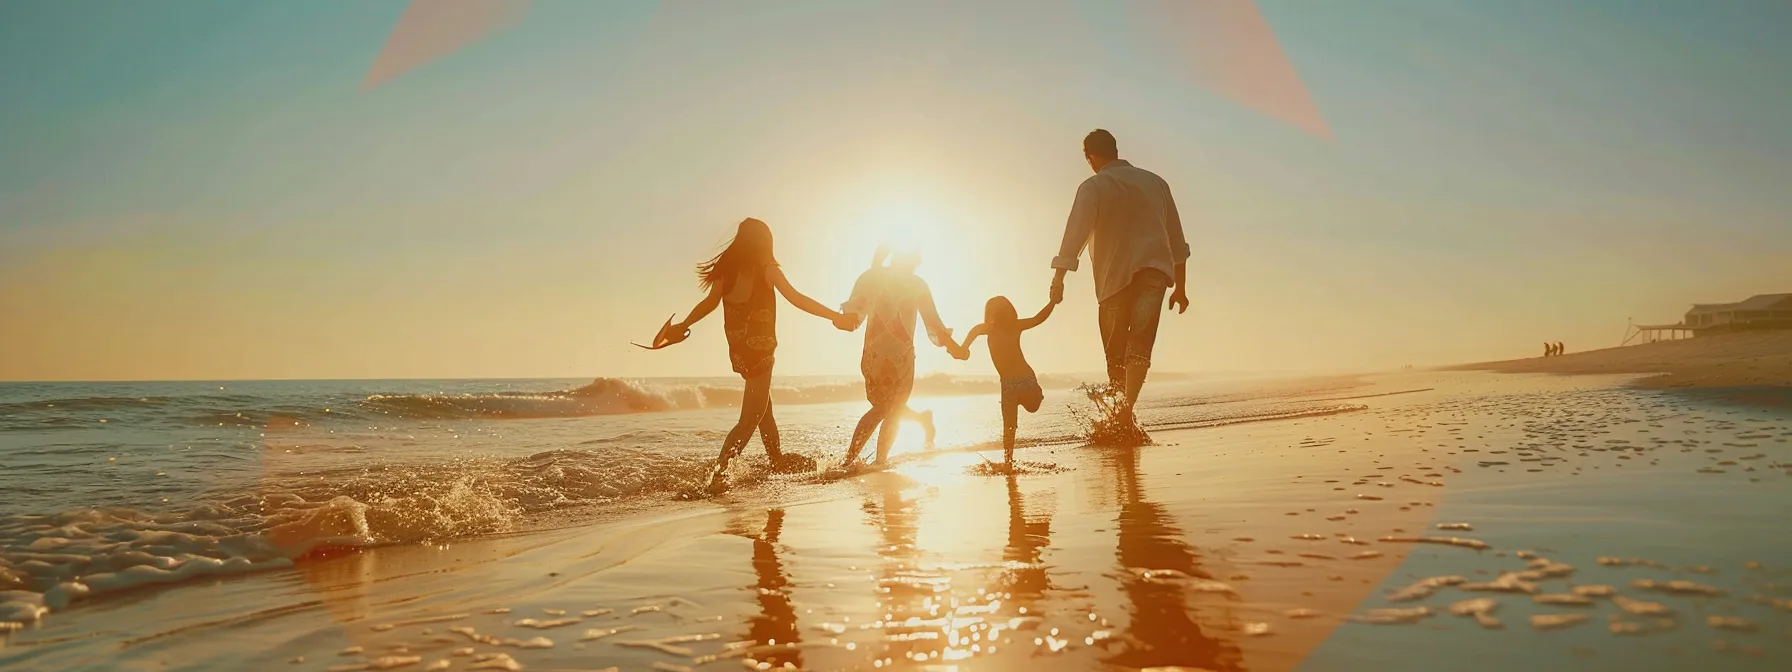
1762 311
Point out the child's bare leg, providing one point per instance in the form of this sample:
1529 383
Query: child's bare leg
1010 421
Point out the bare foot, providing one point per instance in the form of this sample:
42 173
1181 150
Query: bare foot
927 426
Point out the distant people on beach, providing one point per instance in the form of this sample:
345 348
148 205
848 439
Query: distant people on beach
745 280
887 299
1126 218
1552 348
1020 385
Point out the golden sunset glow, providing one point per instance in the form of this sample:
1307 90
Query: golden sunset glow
334 335
909 222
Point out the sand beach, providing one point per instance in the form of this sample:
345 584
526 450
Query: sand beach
1555 522
1746 359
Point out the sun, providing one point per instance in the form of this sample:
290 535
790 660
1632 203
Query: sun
910 223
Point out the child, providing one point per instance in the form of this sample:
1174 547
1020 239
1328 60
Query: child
1020 386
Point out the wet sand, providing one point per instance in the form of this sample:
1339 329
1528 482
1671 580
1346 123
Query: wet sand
1487 521
1723 361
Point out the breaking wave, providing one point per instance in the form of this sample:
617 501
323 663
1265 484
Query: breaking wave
50 561
602 396
611 396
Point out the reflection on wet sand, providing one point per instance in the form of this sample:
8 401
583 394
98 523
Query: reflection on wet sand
906 594
1161 630
776 623
1025 579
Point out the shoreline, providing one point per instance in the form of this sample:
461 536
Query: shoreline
1740 361
1275 545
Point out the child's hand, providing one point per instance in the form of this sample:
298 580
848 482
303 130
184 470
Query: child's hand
846 322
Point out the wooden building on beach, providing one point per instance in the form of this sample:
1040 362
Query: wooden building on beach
1762 311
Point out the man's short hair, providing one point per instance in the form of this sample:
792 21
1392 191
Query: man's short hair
1101 143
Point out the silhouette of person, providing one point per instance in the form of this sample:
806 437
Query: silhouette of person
924 418
889 299
745 280
1020 385
1127 219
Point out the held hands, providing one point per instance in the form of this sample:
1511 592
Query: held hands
958 352
846 322
1057 293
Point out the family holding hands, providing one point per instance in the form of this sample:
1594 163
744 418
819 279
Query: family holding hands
1123 215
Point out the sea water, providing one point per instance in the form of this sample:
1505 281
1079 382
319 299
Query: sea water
110 486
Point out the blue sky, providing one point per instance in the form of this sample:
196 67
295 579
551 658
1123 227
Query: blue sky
200 189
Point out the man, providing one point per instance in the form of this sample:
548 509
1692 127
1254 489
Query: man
1126 218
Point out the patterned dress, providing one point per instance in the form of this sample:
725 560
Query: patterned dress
889 360
751 325
890 301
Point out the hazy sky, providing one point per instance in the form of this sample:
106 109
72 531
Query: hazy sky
200 189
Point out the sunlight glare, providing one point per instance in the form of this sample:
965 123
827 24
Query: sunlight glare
912 221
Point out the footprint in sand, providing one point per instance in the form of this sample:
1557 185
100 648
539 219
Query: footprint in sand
1731 623
1392 616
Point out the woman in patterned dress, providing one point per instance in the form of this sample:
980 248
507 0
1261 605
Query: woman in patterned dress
925 418
742 280
888 299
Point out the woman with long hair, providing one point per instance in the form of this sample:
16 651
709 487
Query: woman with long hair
745 280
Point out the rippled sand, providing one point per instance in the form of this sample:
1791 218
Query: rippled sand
1491 522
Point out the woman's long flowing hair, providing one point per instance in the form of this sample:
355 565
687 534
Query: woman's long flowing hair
750 248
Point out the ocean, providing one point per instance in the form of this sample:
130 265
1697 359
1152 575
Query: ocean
110 486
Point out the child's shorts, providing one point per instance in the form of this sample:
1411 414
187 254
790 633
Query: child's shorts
1024 392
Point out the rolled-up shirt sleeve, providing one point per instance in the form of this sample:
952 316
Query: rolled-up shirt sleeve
1080 226
1179 249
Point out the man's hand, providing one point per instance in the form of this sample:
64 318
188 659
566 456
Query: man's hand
1178 301
1057 293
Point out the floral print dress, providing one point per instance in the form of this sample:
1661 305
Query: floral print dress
751 325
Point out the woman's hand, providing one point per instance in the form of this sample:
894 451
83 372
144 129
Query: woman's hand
846 321
941 337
